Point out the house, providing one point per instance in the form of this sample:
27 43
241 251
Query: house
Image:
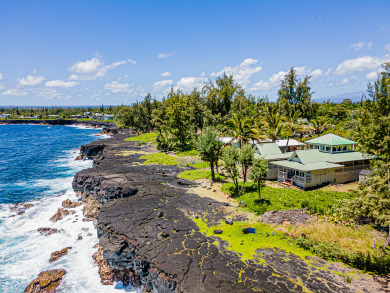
288 145
5 116
87 115
98 116
271 152
108 117
328 159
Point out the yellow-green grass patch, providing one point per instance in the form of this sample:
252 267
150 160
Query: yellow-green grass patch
199 174
146 137
159 158
234 235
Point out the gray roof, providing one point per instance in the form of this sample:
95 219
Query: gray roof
365 172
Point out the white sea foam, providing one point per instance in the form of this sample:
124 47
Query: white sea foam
24 252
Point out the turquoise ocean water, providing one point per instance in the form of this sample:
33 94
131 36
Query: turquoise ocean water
37 166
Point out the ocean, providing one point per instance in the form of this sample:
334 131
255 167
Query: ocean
37 166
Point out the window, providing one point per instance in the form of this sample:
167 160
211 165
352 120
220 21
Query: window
328 149
316 147
308 179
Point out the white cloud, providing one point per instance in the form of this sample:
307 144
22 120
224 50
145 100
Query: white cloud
165 55
47 93
14 92
372 75
276 78
316 73
345 81
93 68
2 86
387 47
166 74
1 76
60 83
361 63
162 83
31 80
117 87
361 45
241 72
190 82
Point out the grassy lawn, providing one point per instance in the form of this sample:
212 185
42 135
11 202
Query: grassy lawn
199 174
278 199
159 158
199 165
146 137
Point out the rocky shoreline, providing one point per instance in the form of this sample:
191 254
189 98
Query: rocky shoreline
147 236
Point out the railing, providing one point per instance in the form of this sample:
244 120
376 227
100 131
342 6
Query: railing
352 168
299 179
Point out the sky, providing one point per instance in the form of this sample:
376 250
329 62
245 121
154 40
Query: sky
115 52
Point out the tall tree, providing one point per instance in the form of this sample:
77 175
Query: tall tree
258 173
245 158
296 92
210 149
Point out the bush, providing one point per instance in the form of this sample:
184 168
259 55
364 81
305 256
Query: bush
159 158
277 199
332 251
199 174
146 137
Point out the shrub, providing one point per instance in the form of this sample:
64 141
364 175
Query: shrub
199 174
332 251
159 158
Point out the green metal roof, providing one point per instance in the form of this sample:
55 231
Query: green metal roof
346 157
310 156
331 139
306 167
274 157
271 151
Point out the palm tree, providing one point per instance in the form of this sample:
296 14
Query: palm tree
320 125
274 122
240 129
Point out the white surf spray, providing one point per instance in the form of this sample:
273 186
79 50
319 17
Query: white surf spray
24 252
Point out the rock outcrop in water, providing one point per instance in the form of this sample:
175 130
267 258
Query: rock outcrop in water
47 282
147 235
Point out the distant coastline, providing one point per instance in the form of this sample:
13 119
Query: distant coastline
92 123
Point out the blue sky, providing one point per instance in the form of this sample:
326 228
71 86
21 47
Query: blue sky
114 52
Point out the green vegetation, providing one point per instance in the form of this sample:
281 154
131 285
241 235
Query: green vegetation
192 153
278 199
146 137
243 243
199 174
379 264
258 172
199 165
159 158
210 149
354 239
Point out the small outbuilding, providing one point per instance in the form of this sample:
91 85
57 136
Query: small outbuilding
364 175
